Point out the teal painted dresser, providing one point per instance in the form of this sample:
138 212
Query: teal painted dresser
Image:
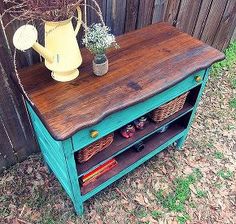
153 66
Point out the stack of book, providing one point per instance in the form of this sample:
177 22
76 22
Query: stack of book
94 174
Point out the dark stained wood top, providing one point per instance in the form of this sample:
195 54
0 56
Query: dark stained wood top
149 61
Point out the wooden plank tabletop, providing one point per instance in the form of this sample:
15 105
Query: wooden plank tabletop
149 61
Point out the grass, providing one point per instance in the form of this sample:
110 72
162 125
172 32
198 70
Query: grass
230 59
210 145
233 82
142 214
175 201
183 219
225 174
232 103
227 64
197 173
231 127
218 155
48 220
201 194
192 205
218 185
156 214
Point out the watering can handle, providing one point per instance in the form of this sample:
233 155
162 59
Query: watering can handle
79 20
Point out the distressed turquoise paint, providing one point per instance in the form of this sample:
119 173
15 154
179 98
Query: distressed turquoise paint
121 118
59 155
181 141
53 152
73 176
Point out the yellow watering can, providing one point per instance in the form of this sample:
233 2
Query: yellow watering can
61 52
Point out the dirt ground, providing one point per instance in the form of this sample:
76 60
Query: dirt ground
196 185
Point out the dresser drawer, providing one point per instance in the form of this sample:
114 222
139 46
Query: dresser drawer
123 117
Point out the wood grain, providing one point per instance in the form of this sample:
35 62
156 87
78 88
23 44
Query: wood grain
172 11
213 21
30 56
188 15
202 18
92 15
132 9
16 134
158 11
149 61
233 38
226 27
145 13
7 155
115 17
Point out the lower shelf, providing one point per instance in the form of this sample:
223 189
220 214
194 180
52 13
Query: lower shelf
130 156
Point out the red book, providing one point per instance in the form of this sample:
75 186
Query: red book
97 176
94 174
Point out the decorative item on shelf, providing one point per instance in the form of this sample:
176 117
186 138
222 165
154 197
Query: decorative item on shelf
168 109
140 123
139 146
88 152
61 52
97 40
128 131
99 171
164 128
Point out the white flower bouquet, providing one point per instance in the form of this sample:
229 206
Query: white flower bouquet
98 38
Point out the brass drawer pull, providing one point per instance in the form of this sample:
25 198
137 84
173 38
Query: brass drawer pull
94 134
198 78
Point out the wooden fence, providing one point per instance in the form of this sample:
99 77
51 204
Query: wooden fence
212 21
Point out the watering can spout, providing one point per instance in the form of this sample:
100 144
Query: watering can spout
44 52
26 37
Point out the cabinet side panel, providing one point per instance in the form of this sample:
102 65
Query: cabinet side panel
52 151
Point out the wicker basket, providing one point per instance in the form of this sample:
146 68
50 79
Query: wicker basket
169 108
88 152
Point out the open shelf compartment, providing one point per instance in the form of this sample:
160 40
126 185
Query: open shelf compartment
122 149
120 144
130 159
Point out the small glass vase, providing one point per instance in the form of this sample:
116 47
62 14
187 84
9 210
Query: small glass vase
100 64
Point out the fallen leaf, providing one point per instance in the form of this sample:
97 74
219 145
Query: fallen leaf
141 199
70 222
35 216
149 219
